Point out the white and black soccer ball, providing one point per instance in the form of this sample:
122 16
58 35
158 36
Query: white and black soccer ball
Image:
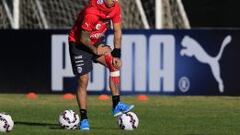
6 122
128 121
69 119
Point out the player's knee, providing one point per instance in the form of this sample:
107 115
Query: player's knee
108 48
112 63
114 72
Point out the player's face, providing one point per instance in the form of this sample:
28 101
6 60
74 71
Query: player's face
109 3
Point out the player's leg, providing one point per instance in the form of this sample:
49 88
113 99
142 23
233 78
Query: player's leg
114 75
82 100
81 61
114 84
82 83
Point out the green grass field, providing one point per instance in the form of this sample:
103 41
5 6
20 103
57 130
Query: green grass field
160 115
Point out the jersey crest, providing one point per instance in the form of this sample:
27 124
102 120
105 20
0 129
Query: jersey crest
99 2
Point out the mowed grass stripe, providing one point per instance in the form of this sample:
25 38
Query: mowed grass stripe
160 115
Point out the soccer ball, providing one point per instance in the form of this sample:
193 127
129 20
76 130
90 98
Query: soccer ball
128 121
69 119
6 122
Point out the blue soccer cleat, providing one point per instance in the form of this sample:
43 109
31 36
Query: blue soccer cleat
84 124
121 108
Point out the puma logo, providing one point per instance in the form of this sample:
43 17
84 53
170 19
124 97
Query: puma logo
192 48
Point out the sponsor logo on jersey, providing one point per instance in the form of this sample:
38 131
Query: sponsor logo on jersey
86 24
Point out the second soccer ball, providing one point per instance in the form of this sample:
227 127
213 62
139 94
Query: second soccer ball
128 121
69 119
6 122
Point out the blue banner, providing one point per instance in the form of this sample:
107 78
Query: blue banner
161 62
174 62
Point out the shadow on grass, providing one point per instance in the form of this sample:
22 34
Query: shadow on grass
198 134
50 125
56 126
104 128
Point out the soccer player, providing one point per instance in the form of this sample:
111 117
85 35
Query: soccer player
86 46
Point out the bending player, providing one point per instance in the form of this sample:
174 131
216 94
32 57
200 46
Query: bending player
86 45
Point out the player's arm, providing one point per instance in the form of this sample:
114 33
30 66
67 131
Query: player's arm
85 39
117 40
99 50
86 29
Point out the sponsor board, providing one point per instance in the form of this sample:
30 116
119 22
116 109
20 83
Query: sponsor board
163 62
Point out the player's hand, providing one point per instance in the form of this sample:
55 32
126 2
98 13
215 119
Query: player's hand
103 49
117 63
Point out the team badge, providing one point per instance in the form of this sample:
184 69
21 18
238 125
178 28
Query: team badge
98 26
99 2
